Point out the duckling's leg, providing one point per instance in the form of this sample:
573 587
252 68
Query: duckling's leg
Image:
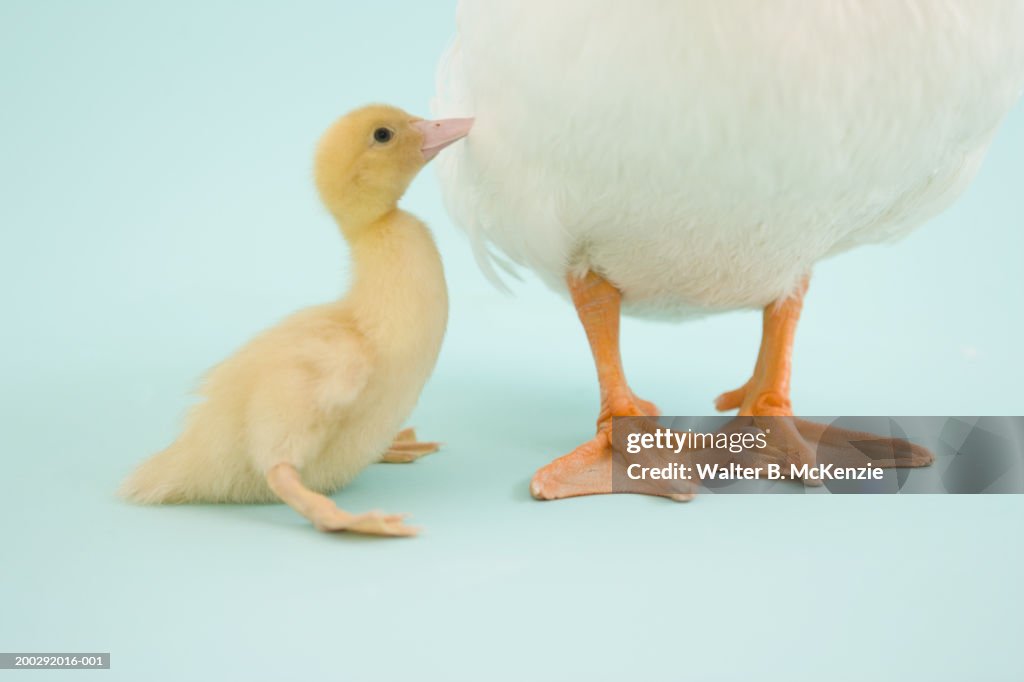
284 480
587 470
406 448
766 394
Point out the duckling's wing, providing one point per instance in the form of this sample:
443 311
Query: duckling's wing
343 366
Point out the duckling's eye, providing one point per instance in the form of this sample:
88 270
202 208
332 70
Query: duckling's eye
383 135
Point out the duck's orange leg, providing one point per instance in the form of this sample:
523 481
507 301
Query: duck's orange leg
587 470
797 441
766 393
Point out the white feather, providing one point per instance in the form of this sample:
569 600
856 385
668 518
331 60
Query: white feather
704 155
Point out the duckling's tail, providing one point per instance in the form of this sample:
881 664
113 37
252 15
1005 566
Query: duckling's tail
161 479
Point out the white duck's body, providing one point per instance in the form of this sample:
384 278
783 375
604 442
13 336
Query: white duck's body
703 156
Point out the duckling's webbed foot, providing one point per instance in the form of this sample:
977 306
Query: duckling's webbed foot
286 483
368 523
406 448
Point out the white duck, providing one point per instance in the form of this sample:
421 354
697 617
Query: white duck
687 157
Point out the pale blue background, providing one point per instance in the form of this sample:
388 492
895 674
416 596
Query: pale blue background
157 210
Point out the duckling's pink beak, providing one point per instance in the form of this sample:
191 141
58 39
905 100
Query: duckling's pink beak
439 134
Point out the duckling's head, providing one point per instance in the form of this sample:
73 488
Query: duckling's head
366 160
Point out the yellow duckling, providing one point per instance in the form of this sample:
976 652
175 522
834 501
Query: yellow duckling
306 405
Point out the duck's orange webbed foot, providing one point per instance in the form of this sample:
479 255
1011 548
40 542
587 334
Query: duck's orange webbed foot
801 446
793 441
587 470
